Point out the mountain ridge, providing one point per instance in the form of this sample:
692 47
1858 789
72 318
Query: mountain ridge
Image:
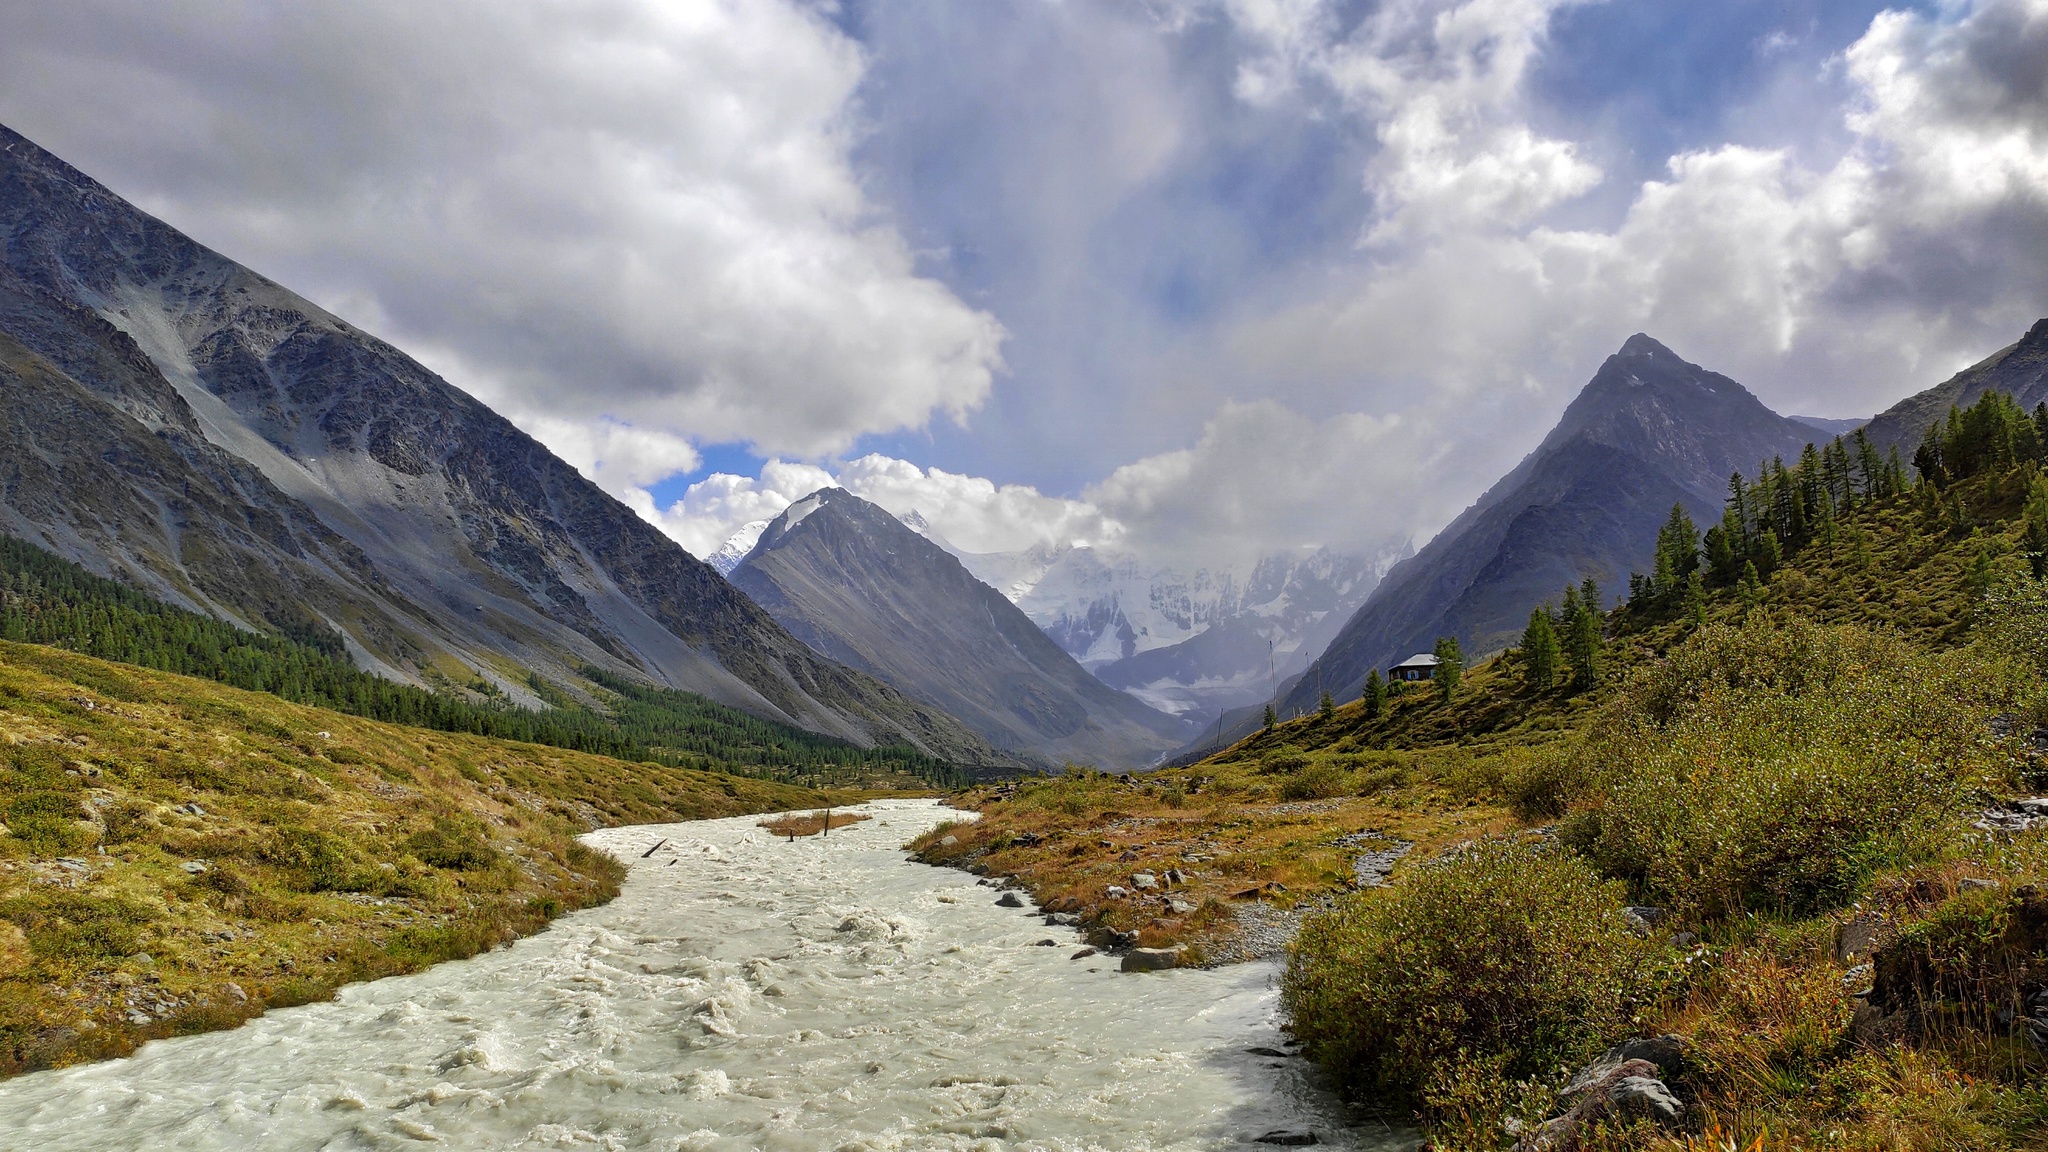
1649 430
869 590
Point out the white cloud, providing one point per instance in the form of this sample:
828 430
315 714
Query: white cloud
1917 250
973 514
626 213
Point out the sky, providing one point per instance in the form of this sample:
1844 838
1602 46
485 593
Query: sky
1198 279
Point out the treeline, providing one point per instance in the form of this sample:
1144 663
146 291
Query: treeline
48 600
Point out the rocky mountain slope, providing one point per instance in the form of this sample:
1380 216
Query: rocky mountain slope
1648 431
175 419
2020 370
865 589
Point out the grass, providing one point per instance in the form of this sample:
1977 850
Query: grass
796 824
180 855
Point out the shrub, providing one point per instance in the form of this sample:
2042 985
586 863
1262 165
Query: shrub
456 845
318 862
1779 766
1319 780
46 822
1506 954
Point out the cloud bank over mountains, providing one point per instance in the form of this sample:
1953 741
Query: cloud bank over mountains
1202 278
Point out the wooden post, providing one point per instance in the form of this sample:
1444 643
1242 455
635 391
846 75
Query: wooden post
827 829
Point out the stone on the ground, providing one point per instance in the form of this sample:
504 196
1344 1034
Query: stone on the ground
1625 1090
1009 900
1179 907
949 841
1144 881
1151 959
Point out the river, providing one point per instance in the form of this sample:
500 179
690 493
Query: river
741 993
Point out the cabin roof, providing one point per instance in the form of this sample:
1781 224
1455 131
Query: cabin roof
1419 660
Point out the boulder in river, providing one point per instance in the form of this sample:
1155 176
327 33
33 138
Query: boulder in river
1009 900
1151 959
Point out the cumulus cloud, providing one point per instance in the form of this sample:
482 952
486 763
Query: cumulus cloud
1842 285
618 215
970 513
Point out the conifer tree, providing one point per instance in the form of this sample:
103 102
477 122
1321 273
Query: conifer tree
1270 718
1450 667
1540 650
1375 694
2037 527
1328 707
1582 638
1696 599
1751 587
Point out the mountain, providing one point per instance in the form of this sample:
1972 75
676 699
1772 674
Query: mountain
175 420
1191 645
1649 431
866 589
2020 370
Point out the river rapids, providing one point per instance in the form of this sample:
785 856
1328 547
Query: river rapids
743 992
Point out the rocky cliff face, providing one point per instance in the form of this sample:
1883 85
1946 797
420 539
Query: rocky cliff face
2020 370
1648 431
862 587
178 419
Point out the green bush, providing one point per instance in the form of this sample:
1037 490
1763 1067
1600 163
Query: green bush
318 862
45 822
456 845
73 926
1508 954
1779 766
1318 780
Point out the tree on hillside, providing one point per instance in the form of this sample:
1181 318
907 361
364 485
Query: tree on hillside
1450 667
1328 707
1375 695
2037 527
1582 635
1539 651
1271 719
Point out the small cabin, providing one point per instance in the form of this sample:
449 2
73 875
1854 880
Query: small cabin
1421 666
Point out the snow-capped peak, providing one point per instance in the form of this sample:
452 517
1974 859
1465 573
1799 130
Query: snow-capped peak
736 547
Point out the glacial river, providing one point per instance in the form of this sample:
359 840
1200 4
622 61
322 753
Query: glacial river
742 993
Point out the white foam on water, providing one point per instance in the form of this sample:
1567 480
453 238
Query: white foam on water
827 994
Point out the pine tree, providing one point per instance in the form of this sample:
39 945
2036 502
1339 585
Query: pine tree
1271 719
1450 667
2037 527
1582 638
1696 599
1375 695
1751 587
1539 650
1328 707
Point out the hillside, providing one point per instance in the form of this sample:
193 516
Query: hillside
1648 431
861 587
47 600
1775 817
179 855
2019 370
200 431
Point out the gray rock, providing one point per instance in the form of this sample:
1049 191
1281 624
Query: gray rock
949 841
1048 943
1180 907
1144 881
1287 1138
1629 1089
1151 959
1854 940
1641 918
195 867
1083 954
1009 900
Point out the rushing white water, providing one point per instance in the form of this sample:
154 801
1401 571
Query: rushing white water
742 993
